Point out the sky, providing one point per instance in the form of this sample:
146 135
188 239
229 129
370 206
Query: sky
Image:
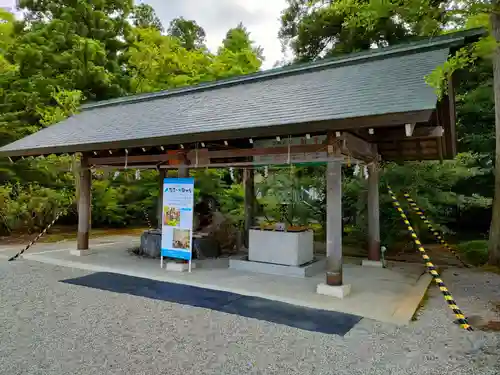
260 17
9 5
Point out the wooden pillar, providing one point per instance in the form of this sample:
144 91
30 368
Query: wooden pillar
334 223
248 182
159 213
183 172
85 184
373 214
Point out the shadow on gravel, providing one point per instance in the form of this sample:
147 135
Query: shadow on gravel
323 321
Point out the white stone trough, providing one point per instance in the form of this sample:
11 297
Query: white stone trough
279 252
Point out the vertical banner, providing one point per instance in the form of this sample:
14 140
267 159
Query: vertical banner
177 218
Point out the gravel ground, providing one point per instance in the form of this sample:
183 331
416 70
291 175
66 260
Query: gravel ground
48 327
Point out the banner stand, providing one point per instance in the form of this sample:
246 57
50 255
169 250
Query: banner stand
177 219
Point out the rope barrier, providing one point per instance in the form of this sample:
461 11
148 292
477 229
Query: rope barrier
462 320
147 217
34 241
439 238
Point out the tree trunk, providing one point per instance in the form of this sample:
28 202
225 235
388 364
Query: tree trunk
494 243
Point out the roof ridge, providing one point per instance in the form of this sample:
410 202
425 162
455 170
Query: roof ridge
422 45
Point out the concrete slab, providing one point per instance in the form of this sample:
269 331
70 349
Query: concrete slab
68 245
386 294
311 269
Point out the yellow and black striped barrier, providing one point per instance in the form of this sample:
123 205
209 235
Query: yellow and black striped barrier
146 216
462 320
34 241
439 238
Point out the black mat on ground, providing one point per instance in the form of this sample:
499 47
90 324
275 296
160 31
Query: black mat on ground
329 322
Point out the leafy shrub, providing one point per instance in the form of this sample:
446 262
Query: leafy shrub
30 207
475 252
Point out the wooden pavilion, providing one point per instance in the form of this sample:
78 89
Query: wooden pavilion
371 106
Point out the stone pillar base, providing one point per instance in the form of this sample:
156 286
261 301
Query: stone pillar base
179 267
340 291
372 263
81 253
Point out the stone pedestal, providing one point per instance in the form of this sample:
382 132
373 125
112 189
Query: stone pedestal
372 263
205 247
339 291
306 270
179 267
81 253
279 247
151 243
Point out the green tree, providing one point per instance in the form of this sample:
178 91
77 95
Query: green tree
190 34
238 54
465 13
144 16
319 28
105 21
238 39
316 29
158 62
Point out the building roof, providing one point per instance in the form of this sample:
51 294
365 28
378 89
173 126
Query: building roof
379 82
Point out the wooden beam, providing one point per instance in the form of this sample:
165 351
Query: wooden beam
357 147
132 159
204 154
249 152
242 164
374 121
400 134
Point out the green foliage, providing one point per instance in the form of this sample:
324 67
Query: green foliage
67 103
300 189
144 16
475 252
158 62
190 35
65 52
30 207
68 51
211 183
121 201
439 77
315 29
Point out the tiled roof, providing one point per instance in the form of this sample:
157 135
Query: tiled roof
383 81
